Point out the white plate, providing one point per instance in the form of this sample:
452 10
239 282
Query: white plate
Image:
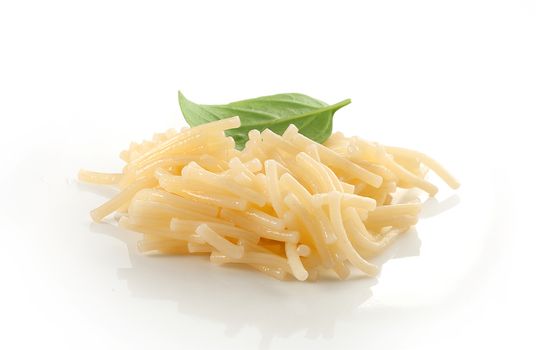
445 277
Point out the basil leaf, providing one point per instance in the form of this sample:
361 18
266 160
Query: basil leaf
312 117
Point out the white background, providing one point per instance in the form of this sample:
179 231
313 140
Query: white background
80 80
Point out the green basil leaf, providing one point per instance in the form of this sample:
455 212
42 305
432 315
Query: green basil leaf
312 117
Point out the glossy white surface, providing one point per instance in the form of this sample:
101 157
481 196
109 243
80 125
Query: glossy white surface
78 83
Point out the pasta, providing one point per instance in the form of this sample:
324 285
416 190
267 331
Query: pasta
284 205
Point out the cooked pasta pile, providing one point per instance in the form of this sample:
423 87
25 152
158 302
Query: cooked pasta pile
285 205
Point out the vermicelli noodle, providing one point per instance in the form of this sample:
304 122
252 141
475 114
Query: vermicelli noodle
284 205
